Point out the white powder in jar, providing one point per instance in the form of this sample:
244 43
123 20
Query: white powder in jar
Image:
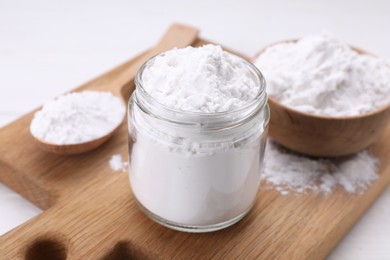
78 117
196 189
324 76
187 174
205 79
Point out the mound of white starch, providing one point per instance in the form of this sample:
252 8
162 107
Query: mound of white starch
290 172
205 79
322 75
78 117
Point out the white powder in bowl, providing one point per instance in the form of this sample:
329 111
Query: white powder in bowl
78 117
322 75
287 171
205 79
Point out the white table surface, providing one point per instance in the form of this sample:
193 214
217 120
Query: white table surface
49 47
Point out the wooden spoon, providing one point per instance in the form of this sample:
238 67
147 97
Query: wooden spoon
178 35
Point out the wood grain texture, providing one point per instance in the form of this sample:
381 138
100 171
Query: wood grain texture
90 212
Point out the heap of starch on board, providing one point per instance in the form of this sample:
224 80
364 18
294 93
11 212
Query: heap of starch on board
289 172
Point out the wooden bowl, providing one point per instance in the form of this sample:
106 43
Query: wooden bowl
325 136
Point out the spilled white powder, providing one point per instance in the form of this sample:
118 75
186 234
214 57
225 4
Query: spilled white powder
117 164
78 117
290 172
324 76
205 79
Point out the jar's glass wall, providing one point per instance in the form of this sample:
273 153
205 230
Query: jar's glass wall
196 172
185 185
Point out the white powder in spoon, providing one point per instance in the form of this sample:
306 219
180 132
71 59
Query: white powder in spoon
290 172
78 117
324 76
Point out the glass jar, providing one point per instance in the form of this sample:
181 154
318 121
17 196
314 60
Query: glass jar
193 171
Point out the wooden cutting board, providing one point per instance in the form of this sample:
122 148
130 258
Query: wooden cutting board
90 213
